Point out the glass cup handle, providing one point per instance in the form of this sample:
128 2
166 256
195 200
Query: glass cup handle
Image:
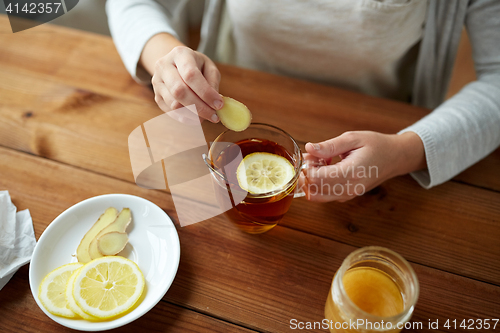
298 192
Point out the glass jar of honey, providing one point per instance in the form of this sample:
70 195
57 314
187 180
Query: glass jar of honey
374 290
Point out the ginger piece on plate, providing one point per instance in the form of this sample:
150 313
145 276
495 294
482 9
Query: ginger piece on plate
82 252
112 243
120 225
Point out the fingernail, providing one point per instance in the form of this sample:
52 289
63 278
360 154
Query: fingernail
218 104
316 146
214 118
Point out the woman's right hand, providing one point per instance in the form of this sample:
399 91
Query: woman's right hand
184 77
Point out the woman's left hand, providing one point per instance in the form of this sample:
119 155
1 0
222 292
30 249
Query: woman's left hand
368 159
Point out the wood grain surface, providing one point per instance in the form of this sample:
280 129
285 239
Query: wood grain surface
67 106
260 282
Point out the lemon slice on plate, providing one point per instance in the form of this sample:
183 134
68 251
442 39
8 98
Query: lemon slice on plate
51 292
108 286
264 172
71 300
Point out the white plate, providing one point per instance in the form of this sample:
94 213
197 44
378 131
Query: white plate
153 245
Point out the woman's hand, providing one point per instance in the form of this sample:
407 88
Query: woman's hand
184 77
368 159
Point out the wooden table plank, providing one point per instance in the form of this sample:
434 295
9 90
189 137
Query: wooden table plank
20 313
90 62
453 227
263 281
90 131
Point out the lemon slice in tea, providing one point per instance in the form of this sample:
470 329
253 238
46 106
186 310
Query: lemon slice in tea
52 290
108 286
264 172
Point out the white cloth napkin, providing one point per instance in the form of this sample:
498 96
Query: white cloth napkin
17 238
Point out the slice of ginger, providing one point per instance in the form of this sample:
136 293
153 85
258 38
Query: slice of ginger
120 224
82 252
234 115
112 243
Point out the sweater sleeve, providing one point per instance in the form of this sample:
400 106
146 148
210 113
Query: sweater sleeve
466 127
133 22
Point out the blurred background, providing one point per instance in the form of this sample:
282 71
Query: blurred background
88 15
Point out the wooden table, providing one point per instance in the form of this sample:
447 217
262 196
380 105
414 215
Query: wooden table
67 106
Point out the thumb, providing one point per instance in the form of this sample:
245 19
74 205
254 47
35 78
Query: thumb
334 147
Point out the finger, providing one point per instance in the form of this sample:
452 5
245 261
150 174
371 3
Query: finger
161 103
324 173
176 110
174 115
310 158
191 74
180 92
176 105
191 121
322 194
162 95
342 172
184 114
182 119
212 74
301 183
310 163
334 147
325 190
315 162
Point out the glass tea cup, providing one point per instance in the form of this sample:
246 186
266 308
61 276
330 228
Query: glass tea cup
252 213
374 290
